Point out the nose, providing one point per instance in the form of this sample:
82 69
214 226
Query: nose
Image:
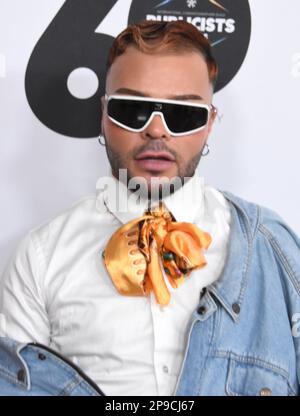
156 129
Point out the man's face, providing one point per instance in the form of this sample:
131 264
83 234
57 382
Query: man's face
172 76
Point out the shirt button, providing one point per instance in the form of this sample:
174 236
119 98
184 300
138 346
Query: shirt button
266 392
236 308
21 375
165 369
42 356
201 310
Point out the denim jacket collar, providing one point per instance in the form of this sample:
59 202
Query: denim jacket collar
230 288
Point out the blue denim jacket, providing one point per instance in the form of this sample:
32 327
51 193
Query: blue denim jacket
36 370
244 335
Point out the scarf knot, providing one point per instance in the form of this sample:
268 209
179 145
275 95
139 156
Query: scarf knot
141 252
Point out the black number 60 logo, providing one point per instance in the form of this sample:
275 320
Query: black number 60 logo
68 43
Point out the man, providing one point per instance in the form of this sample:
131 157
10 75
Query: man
191 292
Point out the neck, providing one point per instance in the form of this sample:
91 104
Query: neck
158 189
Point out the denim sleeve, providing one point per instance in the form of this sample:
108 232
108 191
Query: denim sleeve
23 315
286 245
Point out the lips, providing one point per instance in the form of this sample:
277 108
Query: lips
155 155
155 161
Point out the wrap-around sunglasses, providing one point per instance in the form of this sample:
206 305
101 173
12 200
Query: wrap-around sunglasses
136 113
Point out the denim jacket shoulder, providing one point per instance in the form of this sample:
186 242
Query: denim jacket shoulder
244 335
285 243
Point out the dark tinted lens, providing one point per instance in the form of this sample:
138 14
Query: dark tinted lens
181 118
131 113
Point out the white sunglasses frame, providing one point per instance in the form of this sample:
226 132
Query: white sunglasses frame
159 100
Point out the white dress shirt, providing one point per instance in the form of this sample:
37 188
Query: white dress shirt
56 291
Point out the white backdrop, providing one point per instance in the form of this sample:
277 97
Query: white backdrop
255 144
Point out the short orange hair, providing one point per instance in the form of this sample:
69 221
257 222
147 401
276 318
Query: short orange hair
154 37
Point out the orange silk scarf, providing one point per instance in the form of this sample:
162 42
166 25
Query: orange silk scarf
136 253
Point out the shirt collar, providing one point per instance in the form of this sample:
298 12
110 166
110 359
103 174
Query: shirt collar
185 204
